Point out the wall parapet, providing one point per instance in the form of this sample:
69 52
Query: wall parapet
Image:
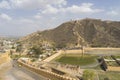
46 73
4 58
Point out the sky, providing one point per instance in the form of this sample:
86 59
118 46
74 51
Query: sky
22 17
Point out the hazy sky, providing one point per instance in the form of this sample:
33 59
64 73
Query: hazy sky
21 17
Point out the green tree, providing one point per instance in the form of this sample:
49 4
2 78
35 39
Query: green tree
36 50
88 75
19 48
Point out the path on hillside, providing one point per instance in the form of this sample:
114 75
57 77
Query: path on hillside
8 72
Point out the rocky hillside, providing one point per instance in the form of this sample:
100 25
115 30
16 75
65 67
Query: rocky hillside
87 32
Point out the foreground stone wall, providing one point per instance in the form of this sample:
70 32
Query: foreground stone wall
4 58
46 73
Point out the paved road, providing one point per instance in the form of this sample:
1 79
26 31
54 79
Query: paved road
8 72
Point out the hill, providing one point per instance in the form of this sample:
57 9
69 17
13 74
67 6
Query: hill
86 32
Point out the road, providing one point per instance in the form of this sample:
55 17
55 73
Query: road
10 72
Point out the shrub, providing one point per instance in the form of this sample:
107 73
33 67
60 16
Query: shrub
88 75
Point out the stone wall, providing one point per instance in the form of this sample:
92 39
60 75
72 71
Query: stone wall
78 51
4 57
112 68
46 73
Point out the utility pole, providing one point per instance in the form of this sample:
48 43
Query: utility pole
64 51
82 50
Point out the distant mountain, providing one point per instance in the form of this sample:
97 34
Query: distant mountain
86 32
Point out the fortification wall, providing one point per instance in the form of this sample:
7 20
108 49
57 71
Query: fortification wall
4 58
46 73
